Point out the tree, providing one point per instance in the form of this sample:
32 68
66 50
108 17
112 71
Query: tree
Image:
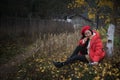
100 8
116 11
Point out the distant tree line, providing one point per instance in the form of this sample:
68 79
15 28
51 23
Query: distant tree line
34 8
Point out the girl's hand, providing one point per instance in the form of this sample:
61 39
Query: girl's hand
85 39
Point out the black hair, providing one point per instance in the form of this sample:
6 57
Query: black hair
83 36
91 31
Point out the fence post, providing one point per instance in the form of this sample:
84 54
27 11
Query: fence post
110 40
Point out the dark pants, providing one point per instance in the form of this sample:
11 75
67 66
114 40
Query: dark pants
75 56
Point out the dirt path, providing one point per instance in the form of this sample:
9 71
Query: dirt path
11 66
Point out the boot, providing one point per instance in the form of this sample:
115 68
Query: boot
58 64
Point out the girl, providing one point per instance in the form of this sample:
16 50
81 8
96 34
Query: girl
89 50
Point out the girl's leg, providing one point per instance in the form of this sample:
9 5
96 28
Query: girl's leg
78 49
75 58
71 60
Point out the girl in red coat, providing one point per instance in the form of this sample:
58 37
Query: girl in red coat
89 49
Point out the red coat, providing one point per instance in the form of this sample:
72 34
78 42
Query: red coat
96 52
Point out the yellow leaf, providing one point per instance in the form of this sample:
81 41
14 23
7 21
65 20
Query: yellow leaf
69 79
42 70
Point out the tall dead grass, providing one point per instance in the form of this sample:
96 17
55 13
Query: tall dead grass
57 44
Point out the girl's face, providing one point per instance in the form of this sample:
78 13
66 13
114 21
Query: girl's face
88 33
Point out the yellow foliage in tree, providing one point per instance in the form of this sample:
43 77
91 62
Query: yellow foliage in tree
91 15
106 3
107 20
76 4
80 2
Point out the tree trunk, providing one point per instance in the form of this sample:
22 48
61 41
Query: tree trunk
114 13
97 20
